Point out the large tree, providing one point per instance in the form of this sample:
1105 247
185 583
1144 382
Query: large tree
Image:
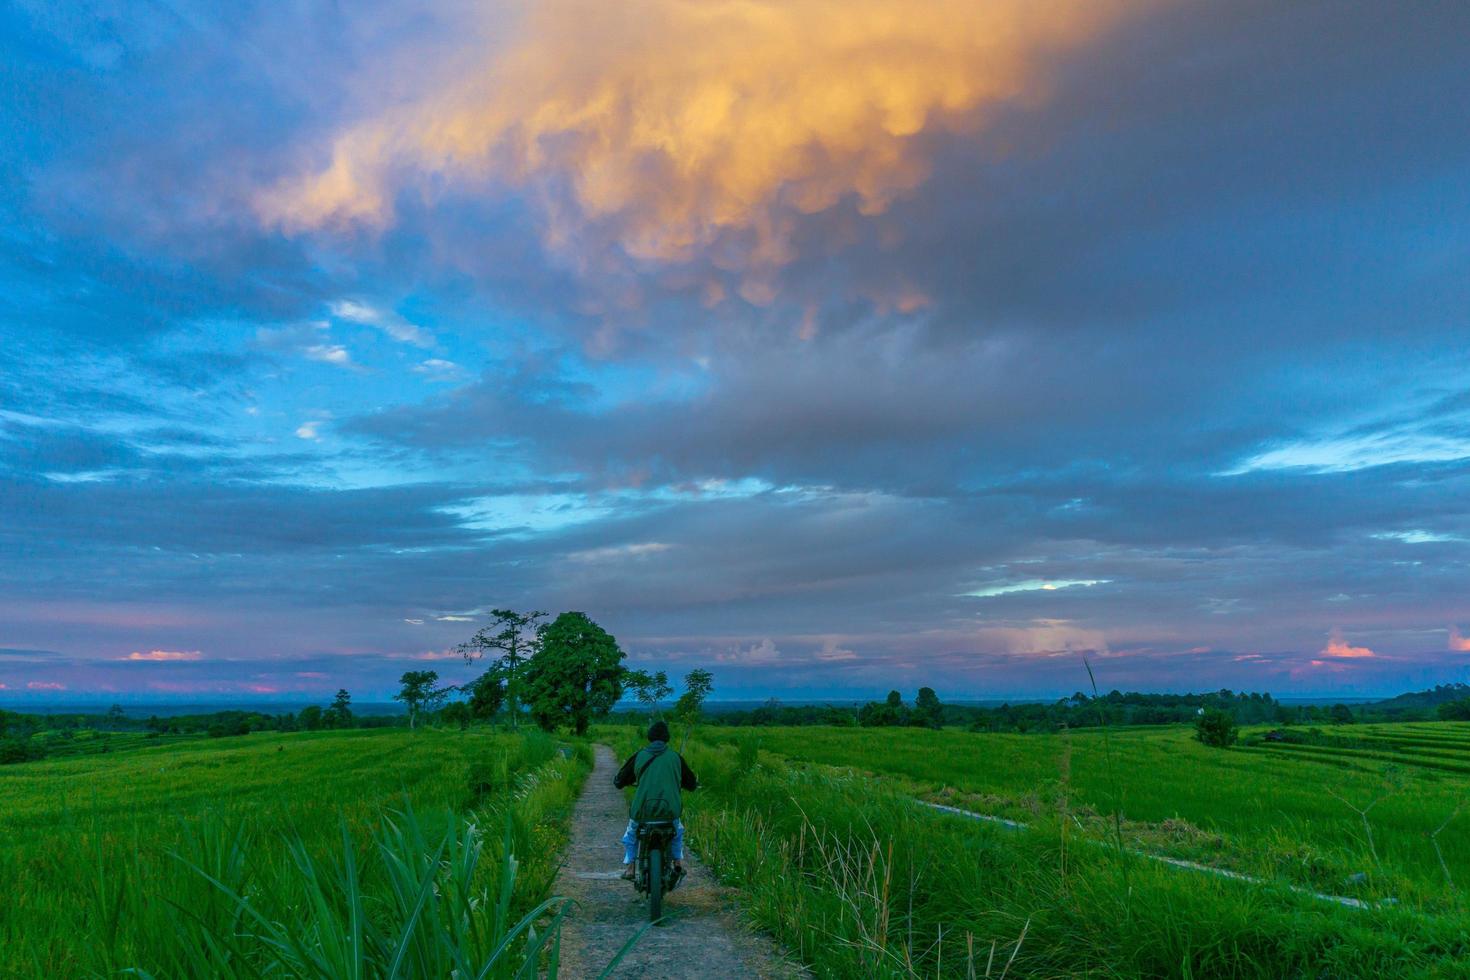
575 676
512 639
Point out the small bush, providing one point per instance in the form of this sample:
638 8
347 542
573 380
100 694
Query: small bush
1216 728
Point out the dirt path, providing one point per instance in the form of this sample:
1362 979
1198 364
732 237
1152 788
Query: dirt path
706 937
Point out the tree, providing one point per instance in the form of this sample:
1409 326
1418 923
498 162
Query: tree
1455 710
650 689
697 685
575 676
1342 715
928 712
311 717
516 636
419 694
116 717
895 700
1215 727
487 693
339 713
457 713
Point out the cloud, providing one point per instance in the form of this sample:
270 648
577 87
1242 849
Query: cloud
387 321
308 431
1459 642
166 655
438 655
1034 585
679 124
329 354
45 686
1341 649
620 552
832 652
757 654
440 371
414 622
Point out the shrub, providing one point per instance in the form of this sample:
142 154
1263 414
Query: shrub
1216 728
1455 710
19 750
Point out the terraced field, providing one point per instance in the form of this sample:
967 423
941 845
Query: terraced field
823 831
1264 808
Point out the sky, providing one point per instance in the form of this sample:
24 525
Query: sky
830 345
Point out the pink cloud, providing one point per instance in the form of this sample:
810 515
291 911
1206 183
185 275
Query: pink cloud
45 686
1340 648
437 655
262 689
158 655
1458 642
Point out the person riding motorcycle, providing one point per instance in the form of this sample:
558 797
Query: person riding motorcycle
660 774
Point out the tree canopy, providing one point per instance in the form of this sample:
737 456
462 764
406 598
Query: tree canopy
419 694
515 638
575 676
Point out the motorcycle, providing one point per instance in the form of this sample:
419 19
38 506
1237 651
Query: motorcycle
655 872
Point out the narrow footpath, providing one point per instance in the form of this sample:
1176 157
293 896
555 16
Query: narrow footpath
706 937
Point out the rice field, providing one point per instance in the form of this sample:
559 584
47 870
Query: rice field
289 855
820 830
1277 809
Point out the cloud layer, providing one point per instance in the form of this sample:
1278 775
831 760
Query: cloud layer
837 346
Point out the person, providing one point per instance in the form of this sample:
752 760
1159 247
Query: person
661 774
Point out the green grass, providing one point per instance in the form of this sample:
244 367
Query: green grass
851 874
180 860
1274 810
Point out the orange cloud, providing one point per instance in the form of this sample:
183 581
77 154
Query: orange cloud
1458 642
1340 648
675 124
166 655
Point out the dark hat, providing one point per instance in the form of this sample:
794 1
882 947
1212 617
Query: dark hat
658 732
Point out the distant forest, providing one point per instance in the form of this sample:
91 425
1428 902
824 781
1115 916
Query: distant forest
1116 708
25 737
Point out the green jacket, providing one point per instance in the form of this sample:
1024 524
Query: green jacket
660 774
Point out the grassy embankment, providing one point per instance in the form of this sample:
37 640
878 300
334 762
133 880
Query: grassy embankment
850 873
356 854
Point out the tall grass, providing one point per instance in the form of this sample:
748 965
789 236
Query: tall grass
860 881
352 855
1262 811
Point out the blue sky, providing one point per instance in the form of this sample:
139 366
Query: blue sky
830 346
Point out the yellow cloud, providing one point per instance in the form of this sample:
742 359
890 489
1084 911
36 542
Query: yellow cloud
675 123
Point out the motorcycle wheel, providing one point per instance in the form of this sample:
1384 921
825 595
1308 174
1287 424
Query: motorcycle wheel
655 885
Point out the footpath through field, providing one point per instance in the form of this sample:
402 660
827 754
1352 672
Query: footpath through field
705 937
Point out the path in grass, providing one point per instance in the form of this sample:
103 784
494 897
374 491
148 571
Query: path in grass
705 938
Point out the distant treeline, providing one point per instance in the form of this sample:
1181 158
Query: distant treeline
1088 711
24 737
